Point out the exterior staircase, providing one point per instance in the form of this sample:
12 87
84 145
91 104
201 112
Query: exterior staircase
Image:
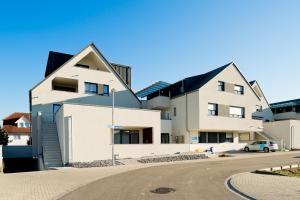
51 147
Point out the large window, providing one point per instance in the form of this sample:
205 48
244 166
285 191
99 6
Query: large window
90 88
212 109
215 137
221 86
126 137
238 89
165 138
236 112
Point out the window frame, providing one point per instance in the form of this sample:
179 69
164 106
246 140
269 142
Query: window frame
105 93
213 112
239 92
89 91
221 86
236 115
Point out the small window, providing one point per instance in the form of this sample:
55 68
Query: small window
165 138
221 86
21 125
236 112
90 88
238 89
17 137
27 125
174 111
82 66
106 90
212 109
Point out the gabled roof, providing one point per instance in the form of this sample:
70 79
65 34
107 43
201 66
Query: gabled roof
152 88
196 82
294 102
192 83
55 60
55 67
17 115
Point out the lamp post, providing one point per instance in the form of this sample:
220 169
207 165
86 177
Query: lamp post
113 128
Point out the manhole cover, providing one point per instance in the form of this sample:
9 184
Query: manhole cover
163 190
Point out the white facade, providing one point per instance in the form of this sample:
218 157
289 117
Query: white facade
83 120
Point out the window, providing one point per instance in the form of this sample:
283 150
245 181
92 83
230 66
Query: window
258 108
90 88
238 89
212 109
55 108
17 137
174 111
215 137
165 138
82 66
126 137
27 125
21 125
236 112
106 90
221 86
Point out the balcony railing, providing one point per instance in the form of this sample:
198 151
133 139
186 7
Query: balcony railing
257 117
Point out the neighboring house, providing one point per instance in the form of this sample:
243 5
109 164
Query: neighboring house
212 108
72 111
17 125
286 126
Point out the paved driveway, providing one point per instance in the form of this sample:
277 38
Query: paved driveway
192 180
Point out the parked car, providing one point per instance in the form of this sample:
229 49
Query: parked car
262 145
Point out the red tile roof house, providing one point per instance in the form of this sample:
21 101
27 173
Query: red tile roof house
17 125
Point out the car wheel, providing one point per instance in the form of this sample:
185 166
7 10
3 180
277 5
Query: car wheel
247 149
266 150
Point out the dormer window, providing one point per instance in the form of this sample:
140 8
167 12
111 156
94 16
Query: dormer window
221 86
238 89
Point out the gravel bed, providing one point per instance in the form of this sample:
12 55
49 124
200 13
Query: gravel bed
96 163
171 158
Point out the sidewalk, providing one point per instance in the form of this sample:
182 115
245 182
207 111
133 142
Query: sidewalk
52 184
267 187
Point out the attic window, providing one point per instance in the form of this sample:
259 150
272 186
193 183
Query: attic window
82 66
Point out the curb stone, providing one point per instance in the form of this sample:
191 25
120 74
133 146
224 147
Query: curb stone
234 190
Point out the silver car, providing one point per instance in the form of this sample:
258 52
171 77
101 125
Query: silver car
262 145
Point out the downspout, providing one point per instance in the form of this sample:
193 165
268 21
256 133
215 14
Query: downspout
186 119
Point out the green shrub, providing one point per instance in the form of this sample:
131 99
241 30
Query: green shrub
3 137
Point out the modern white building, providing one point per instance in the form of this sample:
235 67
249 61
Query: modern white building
72 112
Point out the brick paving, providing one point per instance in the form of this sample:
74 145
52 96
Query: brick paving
265 187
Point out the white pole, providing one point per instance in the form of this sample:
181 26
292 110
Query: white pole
113 128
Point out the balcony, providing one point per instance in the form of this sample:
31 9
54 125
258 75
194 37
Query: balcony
65 84
159 102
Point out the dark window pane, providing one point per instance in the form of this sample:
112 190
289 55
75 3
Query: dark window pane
134 137
202 137
105 90
212 138
165 138
222 137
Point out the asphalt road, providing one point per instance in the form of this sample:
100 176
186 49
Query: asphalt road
195 180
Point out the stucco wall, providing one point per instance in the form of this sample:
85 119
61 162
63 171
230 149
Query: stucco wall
43 96
209 94
90 135
282 130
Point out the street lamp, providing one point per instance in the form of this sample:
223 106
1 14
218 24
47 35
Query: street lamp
113 126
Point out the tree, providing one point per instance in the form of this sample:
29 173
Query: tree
3 137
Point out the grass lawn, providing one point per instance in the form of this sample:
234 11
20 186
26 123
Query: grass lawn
289 172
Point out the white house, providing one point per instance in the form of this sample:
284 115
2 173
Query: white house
17 126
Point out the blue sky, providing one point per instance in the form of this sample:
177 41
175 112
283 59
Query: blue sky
160 40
